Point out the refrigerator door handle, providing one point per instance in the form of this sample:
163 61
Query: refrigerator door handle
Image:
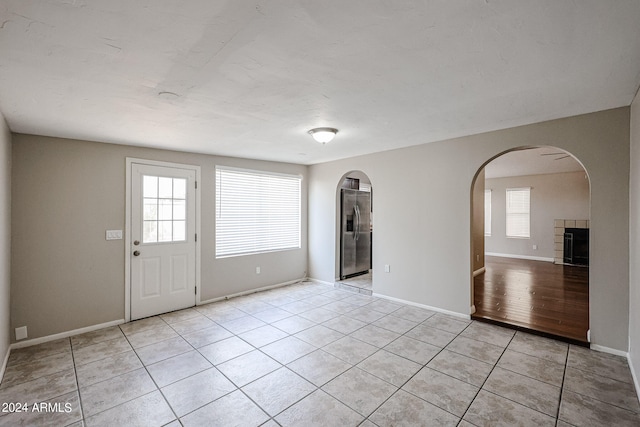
356 235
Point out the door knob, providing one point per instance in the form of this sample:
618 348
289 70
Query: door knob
136 242
136 253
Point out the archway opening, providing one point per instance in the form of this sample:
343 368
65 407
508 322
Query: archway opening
530 242
355 231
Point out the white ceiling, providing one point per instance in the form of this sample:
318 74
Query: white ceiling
533 161
249 78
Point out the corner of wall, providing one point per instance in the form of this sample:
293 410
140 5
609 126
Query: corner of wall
634 241
5 242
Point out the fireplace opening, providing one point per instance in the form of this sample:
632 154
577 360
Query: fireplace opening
576 246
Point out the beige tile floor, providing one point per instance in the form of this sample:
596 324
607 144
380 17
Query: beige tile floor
313 355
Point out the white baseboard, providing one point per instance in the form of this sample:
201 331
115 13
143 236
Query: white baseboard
604 349
251 291
624 354
35 341
4 363
321 282
427 307
532 258
479 271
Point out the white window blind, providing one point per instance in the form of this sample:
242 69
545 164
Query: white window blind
256 212
518 205
487 212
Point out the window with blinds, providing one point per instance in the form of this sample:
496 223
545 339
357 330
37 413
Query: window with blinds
518 204
256 212
487 212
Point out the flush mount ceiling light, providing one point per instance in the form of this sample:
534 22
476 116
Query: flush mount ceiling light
323 135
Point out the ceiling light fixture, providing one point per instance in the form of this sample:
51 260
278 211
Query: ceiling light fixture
323 135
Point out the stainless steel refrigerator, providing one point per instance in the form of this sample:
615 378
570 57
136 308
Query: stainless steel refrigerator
355 240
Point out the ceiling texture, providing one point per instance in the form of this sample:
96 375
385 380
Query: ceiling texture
532 161
250 78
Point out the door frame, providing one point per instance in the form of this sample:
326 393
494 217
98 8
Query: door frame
127 238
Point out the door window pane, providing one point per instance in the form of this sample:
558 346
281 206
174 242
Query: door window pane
179 210
164 231
164 209
150 209
150 186
179 188
165 187
150 232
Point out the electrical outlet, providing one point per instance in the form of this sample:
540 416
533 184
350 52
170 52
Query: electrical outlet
387 268
535 247
477 257
257 270
21 333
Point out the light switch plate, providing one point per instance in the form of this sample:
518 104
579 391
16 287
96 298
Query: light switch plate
114 234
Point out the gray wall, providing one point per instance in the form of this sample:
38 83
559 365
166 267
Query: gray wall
477 228
65 275
553 196
5 237
423 214
634 236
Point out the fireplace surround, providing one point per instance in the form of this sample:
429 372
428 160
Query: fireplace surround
571 231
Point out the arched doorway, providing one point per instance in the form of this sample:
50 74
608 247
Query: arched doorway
355 231
530 242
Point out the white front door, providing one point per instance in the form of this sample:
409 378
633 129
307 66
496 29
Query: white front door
163 239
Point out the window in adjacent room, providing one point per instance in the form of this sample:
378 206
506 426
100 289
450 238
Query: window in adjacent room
487 212
256 212
518 212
